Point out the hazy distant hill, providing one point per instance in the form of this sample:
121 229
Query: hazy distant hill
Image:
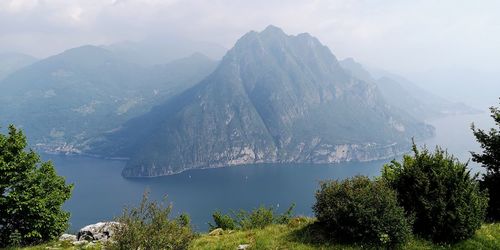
10 62
162 50
405 95
273 98
66 98
480 88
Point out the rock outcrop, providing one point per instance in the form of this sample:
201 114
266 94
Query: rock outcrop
98 232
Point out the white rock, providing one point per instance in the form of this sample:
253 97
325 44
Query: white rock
243 246
98 231
67 237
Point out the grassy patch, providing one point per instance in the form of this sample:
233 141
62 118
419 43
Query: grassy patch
301 233
62 245
298 234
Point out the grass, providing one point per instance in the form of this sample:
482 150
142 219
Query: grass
302 234
61 245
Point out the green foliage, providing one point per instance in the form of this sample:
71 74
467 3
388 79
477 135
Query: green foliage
31 194
359 210
184 219
490 159
223 221
439 193
148 226
257 218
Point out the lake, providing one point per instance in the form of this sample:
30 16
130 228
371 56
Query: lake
101 192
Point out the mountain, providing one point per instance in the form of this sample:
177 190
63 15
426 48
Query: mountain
161 50
404 94
479 88
65 99
273 98
10 62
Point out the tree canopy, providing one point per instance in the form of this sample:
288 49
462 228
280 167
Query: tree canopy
490 159
31 194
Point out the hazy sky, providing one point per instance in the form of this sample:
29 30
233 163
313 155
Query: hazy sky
406 36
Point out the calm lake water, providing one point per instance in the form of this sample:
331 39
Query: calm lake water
100 192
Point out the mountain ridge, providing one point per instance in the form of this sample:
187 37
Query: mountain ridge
11 62
67 98
273 98
406 95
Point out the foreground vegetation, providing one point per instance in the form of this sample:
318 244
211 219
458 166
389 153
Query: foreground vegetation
300 234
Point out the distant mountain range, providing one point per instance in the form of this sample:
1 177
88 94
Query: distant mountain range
11 62
161 50
406 95
273 98
65 99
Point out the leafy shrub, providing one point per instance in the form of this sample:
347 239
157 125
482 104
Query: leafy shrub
31 194
359 210
490 159
440 193
223 221
149 227
257 218
184 220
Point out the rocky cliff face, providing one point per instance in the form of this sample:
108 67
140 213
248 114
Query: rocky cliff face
273 98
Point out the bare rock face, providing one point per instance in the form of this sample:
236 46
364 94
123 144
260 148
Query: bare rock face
98 232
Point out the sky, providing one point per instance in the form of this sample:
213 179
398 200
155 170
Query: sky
403 36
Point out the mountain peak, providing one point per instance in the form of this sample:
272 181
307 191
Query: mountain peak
199 56
356 69
86 48
89 52
273 29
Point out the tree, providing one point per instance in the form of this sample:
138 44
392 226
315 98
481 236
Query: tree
440 193
490 159
31 194
359 210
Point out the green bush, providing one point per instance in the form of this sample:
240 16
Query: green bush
149 227
359 210
440 193
490 159
257 218
31 195
223 221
